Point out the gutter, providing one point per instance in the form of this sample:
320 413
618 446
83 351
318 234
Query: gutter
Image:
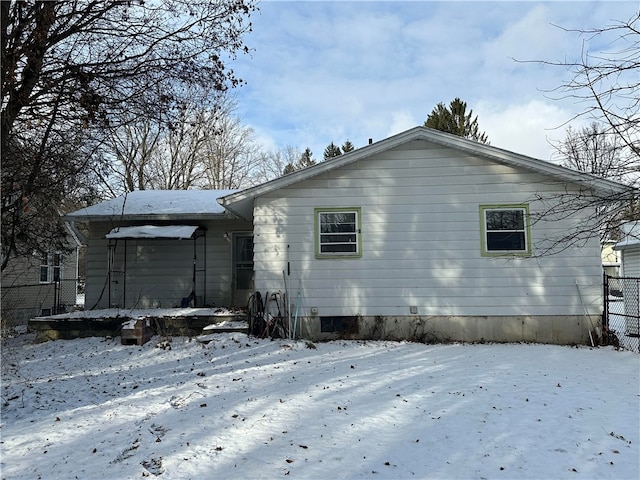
233 211
75 233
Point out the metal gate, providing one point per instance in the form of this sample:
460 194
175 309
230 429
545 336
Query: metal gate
622 311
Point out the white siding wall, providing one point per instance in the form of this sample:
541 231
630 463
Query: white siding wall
631 268
159 271
631 261
421 242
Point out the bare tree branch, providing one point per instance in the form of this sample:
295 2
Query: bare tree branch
74 70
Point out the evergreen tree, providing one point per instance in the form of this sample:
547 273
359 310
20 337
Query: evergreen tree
306 160
347 147
290 168
332 151
455 120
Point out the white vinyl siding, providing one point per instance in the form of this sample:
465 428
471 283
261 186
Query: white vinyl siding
631 261
159 272
420 241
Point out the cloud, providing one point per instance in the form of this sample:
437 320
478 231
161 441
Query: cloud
331 71
401 121
529 128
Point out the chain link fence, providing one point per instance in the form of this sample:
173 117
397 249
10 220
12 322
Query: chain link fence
622 312
20 303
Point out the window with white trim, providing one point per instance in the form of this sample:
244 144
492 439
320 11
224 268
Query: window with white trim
51 268
337 232
505 229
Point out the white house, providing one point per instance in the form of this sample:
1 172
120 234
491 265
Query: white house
423 235
428 236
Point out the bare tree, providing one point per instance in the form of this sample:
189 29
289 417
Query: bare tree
230 153
31 203
72 69
607 85
204 147
593 151
176 164
132 147
278 162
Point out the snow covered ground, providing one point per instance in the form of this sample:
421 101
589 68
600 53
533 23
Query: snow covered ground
241 407
618 323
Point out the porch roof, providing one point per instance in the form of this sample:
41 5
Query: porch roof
156 205
153 231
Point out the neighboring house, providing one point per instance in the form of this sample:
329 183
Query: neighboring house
152 249
629 248
610 258
41 285
424 236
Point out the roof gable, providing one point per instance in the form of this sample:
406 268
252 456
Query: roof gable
241 203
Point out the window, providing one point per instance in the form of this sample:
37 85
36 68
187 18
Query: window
51 268
505 229
337 232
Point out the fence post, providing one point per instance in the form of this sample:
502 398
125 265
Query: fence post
605 314
637 310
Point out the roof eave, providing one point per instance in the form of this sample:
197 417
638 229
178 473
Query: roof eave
626 245
320 168
149 217
524 161
447 140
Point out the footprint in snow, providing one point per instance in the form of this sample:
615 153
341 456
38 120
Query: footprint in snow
153 466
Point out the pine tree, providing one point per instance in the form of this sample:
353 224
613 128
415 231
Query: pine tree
306 159
332 151
455 120
290 168
347 147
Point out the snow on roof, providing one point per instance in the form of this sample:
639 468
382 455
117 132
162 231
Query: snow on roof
153 231
157 202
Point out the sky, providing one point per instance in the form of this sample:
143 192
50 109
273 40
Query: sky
243 407
330 71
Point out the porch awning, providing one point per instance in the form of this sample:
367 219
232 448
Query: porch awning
153 231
